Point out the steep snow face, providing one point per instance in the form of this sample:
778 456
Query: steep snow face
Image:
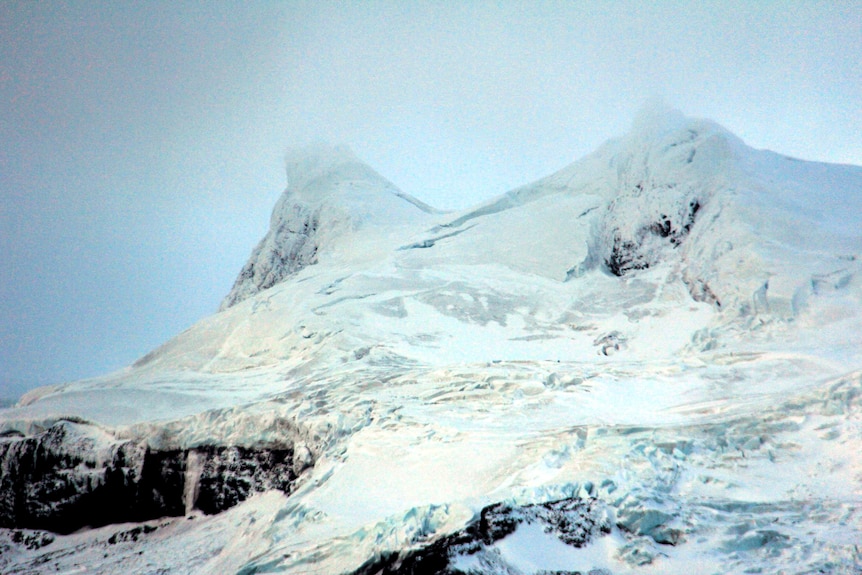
649 361
664 176
330 195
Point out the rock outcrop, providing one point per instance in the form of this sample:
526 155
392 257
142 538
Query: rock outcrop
74 475
574 521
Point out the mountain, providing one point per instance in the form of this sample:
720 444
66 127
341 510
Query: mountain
331 195
649 361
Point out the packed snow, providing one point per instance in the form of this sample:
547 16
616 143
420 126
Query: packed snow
665 336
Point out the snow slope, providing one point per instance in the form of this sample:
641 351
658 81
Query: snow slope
659 345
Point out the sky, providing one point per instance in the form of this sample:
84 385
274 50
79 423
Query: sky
142 143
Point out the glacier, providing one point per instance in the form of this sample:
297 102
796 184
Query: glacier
649 361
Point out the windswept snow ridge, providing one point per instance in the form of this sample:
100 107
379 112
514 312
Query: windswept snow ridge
647 362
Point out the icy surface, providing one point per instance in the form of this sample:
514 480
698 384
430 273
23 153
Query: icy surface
668 328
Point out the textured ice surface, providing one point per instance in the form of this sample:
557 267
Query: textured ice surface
668 330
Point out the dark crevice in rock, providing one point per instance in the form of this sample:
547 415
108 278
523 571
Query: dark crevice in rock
574 521
63 479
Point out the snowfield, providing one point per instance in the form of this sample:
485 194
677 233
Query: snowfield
647 362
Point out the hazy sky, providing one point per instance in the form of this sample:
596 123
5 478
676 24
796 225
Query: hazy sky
141 143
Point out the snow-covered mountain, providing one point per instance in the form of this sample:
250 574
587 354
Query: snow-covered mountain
331 196
647 362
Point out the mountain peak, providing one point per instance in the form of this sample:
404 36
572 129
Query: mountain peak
304 165
657 116
330 194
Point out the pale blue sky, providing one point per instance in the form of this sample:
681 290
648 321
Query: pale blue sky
141 143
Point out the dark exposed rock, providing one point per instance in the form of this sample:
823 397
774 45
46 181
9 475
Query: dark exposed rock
131 534
625 257
574 521
72 476
32 539
290 246
230 475
627 254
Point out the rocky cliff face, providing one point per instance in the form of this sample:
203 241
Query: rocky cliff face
74 475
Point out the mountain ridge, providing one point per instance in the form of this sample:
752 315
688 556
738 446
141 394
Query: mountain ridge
650 359
696 159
